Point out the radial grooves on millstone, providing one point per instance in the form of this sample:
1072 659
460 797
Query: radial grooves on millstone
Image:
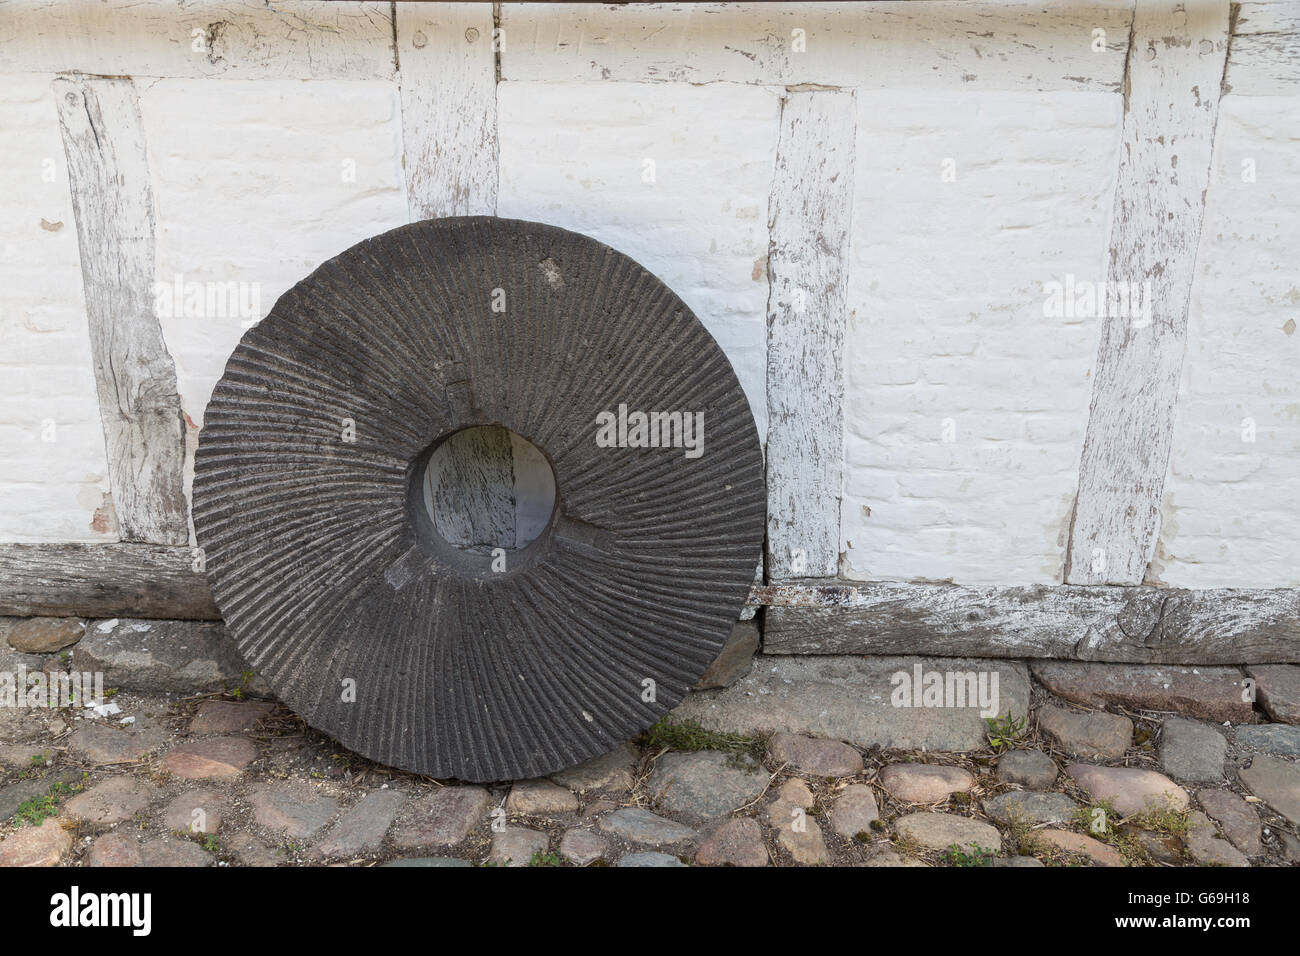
478 678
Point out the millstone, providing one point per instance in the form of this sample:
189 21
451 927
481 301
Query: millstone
477 664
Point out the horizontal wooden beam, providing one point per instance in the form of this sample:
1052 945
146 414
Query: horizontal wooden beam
969 46
1103 623
215 39
1095 623
104 580
1265 55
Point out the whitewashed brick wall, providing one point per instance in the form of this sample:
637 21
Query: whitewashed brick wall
280 146
674 176
965 407
52 483
1231 510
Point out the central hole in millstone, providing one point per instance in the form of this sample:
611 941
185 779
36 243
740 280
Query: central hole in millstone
487 487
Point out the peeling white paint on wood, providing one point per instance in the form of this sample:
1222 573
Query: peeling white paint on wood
230 39
1120 624
946 44
447 75
808 219
1175 72
1265 56
108 175
469 489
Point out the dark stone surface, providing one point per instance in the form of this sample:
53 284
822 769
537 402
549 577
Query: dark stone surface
1190 750
225 717
45 635
1029 768
1213 693
175 657
325 564
821 758
1278 690
363 827
1269 738
736 659
1032 808
704 785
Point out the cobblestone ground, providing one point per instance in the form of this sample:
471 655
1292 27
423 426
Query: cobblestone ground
220 779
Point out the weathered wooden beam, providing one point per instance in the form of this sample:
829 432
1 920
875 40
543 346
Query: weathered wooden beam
447 76
233 39
1265 56
447 73
144 431
808 218
971 46
104 580
1118 624
1175 72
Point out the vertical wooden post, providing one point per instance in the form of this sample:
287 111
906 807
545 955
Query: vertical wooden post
809 214
1177 53
135 378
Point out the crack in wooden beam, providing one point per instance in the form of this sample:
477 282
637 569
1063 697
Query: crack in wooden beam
135 377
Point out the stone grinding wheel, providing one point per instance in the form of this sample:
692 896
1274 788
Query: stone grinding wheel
326 565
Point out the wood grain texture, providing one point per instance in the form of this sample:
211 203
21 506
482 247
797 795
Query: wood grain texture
144 432
1175 72
956 44
471 489
1118 624
447 76
808 219
103 580
1265 55
230 39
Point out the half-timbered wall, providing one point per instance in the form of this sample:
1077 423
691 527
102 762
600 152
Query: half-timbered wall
907 223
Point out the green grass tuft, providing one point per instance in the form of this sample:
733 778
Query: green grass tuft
689 736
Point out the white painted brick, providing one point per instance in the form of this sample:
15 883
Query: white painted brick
48 490
946 322
572 155
249 185
945 279
1229 515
